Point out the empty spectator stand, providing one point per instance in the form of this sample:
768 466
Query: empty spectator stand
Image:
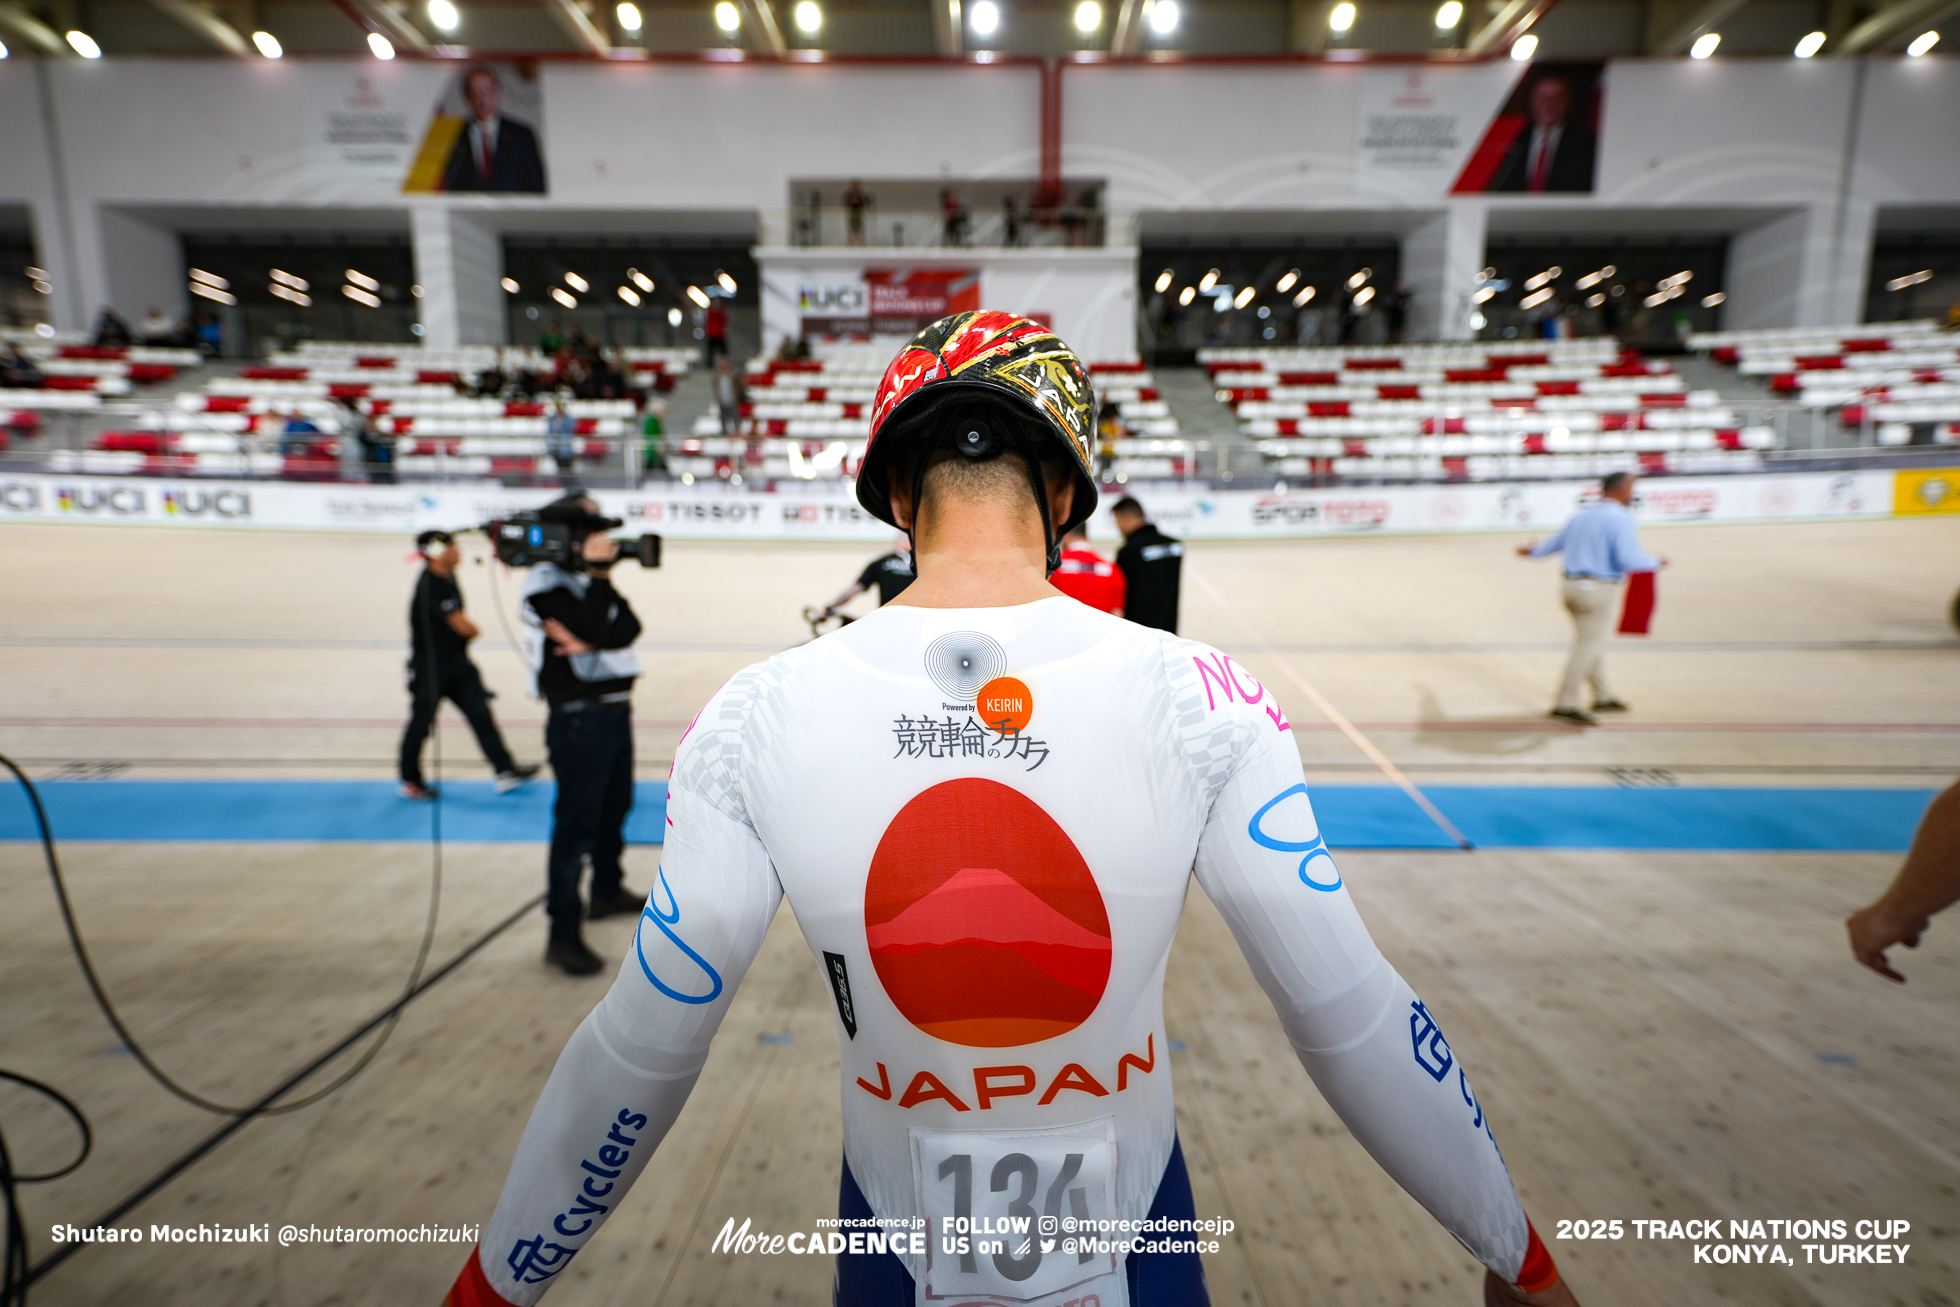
1883 379
810 418
1477 411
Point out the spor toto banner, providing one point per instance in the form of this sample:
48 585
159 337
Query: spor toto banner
829 511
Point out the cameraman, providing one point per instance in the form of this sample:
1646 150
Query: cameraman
439 668
578 630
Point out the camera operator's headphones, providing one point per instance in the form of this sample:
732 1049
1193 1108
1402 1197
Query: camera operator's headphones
431 544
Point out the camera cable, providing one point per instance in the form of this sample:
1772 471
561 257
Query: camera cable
15 1272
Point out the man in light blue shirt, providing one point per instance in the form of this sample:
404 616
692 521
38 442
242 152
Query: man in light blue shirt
1600 547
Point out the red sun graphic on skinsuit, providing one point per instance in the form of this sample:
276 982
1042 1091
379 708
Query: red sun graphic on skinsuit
984 923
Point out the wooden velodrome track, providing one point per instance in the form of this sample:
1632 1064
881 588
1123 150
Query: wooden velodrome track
1666 1035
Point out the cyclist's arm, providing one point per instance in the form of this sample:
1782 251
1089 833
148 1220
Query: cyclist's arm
627 1070
1369 1043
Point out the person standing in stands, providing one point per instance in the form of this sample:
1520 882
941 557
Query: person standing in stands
561 439
714 324
1088 576
855 203
1600 547
439 667
1151 563
493 153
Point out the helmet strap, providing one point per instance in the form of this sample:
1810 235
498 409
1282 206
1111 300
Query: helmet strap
1030 459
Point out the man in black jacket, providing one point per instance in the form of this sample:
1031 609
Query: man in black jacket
494 153
1150 562
439 668
578 638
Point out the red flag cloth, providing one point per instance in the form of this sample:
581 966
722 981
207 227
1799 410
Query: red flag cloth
1638 611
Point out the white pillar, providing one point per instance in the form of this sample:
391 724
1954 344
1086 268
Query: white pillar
459 262
1441 258
1803 268
142 266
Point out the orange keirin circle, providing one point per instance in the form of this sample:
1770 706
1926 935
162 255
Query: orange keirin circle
1005 704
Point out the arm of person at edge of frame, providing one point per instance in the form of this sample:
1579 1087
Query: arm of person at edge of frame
601 620
1929 882
1369 1044
627 1070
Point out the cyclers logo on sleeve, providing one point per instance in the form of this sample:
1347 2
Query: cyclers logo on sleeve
537 1259
1313 848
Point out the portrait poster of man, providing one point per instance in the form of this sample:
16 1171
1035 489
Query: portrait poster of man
1545 137
483 135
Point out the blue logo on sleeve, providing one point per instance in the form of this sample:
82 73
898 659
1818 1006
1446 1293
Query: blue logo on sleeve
1314 848
665 921
1432 1050
533 1261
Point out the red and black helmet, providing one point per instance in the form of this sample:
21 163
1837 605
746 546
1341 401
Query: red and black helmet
990 365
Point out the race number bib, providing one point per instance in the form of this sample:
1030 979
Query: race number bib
996 1202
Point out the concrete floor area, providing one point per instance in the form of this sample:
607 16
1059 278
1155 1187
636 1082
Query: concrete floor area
1656 1035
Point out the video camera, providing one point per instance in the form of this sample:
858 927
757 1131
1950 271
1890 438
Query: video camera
531 537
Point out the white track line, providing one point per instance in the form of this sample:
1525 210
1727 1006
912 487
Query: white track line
1330 712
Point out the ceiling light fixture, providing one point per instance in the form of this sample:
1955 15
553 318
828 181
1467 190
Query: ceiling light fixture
382 47
1363 295
1342 18
1810 45
1300 300
509 284
199 274
1922 43
268 45
285 278
1243 298
727 282
1704 45
629 17
1185 296
1164 17
360 296
1710 301
1448 16
1088 16
698 295
1910 279
1207 281
84 45
443 14
986 17
640 279
809 17
1536 298
1286 281
673 317
1524 47
1164 280
727 17
577 282
560 294
630 295
362 280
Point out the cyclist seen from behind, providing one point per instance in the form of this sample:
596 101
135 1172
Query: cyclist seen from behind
929 787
